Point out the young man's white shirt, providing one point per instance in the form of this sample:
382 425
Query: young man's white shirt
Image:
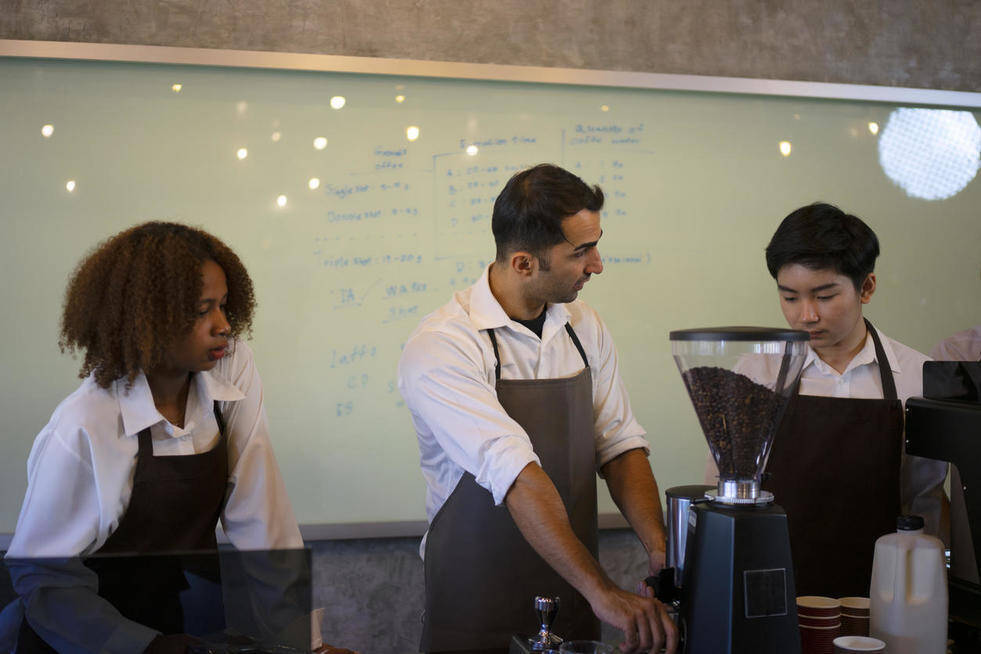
921 479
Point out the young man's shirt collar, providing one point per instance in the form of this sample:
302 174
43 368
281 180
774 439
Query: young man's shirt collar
864 357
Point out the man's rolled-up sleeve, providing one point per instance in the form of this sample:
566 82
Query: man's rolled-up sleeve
615 428
444 385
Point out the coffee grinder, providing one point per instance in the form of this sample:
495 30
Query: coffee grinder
736 589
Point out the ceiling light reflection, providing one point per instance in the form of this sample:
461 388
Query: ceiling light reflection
176 88
412 132
932 154
874 128
784 148
47 131
472 150
314 183
400 99
242 153
337 101
276 136
70 185
281 201
320 142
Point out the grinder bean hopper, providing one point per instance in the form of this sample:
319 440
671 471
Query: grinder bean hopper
737 585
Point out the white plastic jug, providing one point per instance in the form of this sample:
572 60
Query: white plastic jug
908 596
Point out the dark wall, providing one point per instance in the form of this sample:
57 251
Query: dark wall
916 43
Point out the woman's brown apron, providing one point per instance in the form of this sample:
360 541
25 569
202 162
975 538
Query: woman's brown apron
174 507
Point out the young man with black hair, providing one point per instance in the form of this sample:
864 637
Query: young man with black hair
837 464
515 394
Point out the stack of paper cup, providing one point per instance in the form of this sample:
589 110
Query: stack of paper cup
854 616
820 623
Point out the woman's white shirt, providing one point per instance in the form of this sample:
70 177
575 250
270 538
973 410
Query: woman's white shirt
81 467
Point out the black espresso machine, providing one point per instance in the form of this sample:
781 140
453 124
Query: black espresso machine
945 424
731 576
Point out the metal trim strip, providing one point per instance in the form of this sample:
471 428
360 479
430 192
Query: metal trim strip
476 71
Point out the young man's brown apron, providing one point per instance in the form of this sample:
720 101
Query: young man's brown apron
481 574
835 469
174 507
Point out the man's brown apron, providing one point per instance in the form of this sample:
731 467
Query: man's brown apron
174 507
481 574
835 469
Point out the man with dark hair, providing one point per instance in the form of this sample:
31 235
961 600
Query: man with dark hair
837 464
515 394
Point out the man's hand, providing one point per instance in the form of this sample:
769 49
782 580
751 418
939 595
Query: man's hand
645 623
539 513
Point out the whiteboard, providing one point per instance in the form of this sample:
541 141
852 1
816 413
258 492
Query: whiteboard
696 184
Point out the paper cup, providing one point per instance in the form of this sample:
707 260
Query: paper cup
854 625
818 640
855 605
807 621
815 606
851 644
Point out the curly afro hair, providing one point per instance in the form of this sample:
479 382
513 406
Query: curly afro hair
134 296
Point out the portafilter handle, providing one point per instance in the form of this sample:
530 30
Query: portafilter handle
546 608
663 585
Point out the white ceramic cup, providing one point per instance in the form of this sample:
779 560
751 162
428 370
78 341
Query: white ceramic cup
849 644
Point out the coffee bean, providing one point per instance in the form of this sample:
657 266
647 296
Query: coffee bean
737 415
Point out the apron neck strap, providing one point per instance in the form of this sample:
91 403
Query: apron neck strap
575 340
219 419
497 355
885 368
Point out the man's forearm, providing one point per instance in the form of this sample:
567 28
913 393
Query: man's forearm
540 515
634 489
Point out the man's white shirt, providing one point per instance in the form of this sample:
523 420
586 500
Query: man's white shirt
446 376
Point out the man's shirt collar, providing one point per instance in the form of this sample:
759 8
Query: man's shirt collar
487 313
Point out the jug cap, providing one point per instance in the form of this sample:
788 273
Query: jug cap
909 523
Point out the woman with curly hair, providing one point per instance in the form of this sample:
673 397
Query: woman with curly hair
165 436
